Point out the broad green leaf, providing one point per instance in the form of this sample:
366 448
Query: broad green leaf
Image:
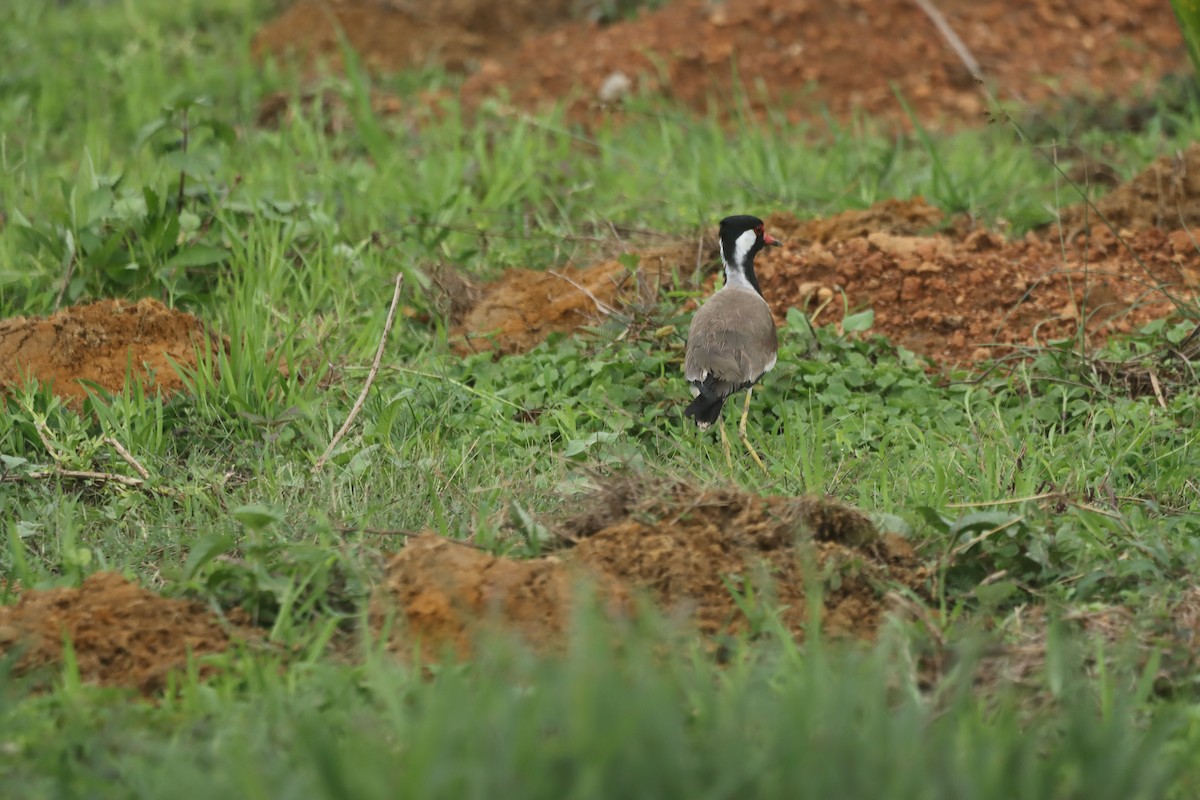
198 255
934 518
862 321
223 133
993 594
97 205
205 551
257 516
149 130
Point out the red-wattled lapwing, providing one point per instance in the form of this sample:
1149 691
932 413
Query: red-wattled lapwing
731 342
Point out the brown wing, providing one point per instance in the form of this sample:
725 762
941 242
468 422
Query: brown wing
732 338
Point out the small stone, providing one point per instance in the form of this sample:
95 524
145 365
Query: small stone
615 87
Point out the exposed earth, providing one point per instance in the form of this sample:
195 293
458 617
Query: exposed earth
98 344
394 36
121 634
685 549
693 553
688 549
794 56
518 312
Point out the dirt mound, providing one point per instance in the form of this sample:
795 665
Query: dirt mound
518 312
392 36
801 56
445 590
690 550
964 298
958 295
122 635
844 57
900 217
98 343
1164 195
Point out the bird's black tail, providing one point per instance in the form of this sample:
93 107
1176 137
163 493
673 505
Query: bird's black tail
705 409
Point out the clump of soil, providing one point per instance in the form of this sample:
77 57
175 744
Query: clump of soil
518 312
962 298
1164 195
99 343
391 36
1020 658
849 57
898 217
954 294
795 55
121 634
687 549
444 590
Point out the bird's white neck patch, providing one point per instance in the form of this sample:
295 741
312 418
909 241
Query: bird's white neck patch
735 269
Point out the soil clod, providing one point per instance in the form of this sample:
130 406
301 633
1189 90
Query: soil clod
120 633
98 344
696 553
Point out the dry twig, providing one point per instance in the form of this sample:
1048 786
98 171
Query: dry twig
77 474
362 397
44 434
952 39
66 281
129 459
1006 502
603 307
1158 393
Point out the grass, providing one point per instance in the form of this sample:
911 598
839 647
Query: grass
289 243
591 726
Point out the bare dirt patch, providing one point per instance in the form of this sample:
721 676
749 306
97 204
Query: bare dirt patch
965 297
844 57
521 309
391 36
689 550
848 56
953 293
1164 195
962 294
99 343
121 634
445 590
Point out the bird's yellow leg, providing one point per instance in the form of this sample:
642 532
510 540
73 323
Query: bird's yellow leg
725 444
742 433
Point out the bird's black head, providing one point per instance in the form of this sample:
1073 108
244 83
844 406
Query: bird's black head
742 236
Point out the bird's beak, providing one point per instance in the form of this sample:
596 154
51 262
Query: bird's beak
771 240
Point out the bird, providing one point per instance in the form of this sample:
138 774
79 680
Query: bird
731 342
